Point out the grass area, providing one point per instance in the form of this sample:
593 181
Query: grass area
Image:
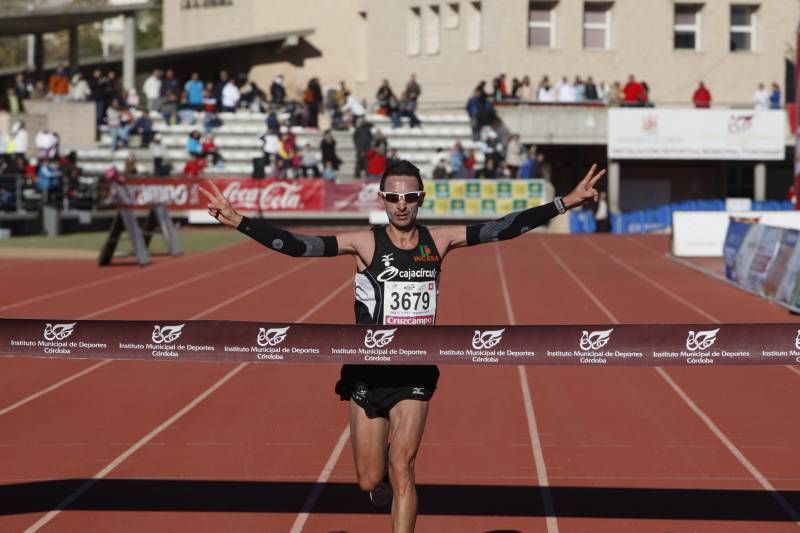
89 244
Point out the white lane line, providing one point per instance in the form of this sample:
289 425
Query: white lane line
53 387
172 286
251 290
578 281
793 369
763 481
319 486
639 274
87 285
324 476
88 484
719 434
533 429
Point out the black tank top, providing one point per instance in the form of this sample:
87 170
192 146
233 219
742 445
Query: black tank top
399 287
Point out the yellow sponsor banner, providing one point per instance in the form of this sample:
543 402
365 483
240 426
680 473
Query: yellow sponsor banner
482 197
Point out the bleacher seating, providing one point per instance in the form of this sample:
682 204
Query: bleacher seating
238 142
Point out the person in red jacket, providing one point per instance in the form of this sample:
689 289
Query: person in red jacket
633 93
376 162
702 97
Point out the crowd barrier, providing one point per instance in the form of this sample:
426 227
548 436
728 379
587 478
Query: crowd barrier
457 198
220 341
764 260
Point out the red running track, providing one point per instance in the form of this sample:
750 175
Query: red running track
160 446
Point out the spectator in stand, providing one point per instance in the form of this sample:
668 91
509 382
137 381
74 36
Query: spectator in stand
379 141
515 87
132 98
334 108
580 89
646 94
97 85
528 167
328 148
277 91
525 92
230 97
58 84
253 97
775 97
222 80
79 90
186 115
118 125
169 84
362 140
394 112
169 108
194 91
112 87
590 90
458 170
354 107
22 87
18 141
48 179
384 97
152 90
210 102
193 145
309 162
194 166
273 124
376 161
702 97
144 127
313 100
39 91
392 158
412 94
472 107
161 165
513 155
131 169
498 94
489 170
407 108
545 93
615 95
633 93
211 121
565 91
761 97
328 172
270 143
286 156
440 171
209 149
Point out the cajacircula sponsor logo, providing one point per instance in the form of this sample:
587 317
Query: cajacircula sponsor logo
595 340
701 340
272 336
379 338
389 270
167 334
483 340
58 332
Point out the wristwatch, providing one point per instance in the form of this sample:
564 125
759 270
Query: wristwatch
559 201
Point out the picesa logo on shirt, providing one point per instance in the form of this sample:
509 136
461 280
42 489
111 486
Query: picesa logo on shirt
425 255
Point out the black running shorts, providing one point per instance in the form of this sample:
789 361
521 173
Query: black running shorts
378 388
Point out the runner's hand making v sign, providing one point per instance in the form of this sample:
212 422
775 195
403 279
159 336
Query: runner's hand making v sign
220 207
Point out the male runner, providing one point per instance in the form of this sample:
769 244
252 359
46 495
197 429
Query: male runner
396 282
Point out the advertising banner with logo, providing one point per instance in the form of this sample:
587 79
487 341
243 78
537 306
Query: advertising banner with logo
600 345
696 134
244 194
482 197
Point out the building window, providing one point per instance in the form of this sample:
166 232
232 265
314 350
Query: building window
431 25
474 24
414 32
597 25
198 4
687 26
542 24
743 28
451 13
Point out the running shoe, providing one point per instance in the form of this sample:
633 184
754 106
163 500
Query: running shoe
382 495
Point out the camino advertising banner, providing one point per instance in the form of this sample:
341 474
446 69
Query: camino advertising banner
648 133
481 197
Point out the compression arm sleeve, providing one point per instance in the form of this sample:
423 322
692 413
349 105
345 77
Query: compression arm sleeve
287 242
511 225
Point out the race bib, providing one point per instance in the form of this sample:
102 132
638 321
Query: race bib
409 302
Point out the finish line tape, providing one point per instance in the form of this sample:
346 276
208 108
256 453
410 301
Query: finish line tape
222 341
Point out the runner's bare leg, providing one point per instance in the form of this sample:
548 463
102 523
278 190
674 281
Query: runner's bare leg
406 424
368 438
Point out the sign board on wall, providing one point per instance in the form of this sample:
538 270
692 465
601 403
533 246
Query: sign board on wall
697 134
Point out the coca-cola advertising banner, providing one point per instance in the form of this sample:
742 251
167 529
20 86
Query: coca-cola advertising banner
244 194
599 345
